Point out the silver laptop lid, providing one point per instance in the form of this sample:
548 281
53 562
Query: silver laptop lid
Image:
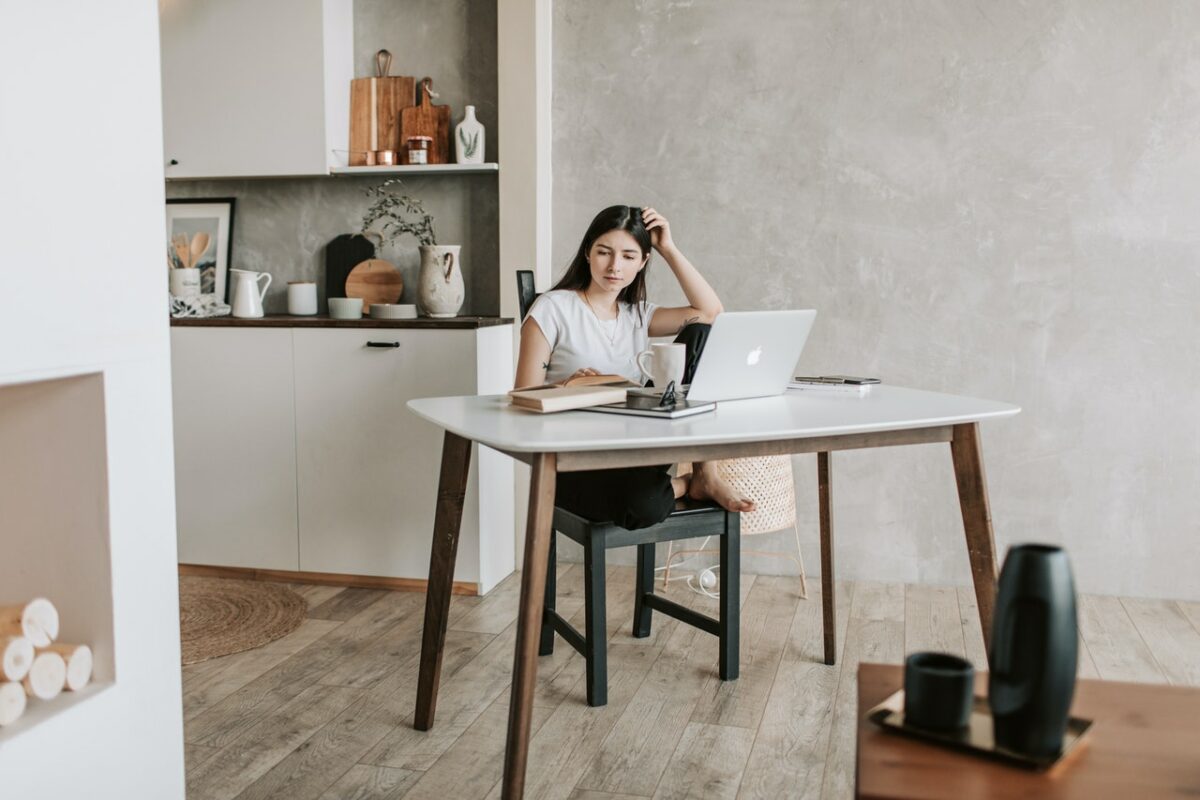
750 354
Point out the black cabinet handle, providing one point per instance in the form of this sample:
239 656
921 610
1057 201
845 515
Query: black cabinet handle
383 344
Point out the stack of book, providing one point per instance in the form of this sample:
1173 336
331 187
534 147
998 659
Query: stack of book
581 392
610 394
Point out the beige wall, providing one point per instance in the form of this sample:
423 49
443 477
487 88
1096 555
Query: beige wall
994 199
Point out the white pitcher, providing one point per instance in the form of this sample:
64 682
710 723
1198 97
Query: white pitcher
247 297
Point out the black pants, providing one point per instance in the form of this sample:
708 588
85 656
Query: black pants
632 497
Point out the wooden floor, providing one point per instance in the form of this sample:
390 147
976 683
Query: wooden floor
326 711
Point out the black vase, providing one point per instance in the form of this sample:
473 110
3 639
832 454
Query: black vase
1035 648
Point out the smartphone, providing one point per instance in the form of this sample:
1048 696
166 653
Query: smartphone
857 381
837 380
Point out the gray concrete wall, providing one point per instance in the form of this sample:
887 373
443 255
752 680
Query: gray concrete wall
993 199
282 226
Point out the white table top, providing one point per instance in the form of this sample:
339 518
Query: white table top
492 421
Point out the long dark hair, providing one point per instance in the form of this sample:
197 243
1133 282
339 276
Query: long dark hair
579 273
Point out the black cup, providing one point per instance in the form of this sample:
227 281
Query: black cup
939 691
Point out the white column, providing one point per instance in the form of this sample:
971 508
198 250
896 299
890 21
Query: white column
523 77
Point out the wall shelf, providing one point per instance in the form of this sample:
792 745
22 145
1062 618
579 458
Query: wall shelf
418 169
56 543
39 711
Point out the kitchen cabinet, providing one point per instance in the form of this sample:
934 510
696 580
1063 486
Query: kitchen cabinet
255 89
362 471
235 447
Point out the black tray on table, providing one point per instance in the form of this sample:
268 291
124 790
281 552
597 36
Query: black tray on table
977 738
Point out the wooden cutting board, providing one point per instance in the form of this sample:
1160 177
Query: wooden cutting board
375 106
426 119
375 281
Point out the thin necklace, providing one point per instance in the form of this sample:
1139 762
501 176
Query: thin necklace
611 336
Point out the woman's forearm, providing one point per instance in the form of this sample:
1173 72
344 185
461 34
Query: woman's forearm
699 294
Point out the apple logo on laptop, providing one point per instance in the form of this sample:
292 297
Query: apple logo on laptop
753 356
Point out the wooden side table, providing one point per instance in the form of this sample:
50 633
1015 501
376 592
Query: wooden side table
1144 744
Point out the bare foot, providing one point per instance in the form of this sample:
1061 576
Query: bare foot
707 485
679 486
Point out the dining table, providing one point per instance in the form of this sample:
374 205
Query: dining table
798 421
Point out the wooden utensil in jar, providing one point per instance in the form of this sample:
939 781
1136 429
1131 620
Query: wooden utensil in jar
180 244
199 247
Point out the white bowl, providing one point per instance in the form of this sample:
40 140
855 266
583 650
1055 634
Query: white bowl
345 308
393 311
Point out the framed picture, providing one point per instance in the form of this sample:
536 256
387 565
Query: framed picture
200 235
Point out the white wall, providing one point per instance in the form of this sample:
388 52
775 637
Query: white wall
83 279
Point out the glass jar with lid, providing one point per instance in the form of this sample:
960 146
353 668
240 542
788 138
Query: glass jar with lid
417 148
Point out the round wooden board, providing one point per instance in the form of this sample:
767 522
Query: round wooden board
374 281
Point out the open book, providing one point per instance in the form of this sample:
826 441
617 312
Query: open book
581 392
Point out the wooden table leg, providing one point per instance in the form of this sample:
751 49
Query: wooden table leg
452 489
529 620
828 612
977 521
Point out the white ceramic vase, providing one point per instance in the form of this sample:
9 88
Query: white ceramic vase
468 139
440 290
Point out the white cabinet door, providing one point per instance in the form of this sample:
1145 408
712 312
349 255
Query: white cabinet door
367 468
255 88
235 447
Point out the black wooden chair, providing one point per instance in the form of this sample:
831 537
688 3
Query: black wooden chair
689 520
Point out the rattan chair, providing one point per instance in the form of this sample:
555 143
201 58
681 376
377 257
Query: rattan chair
767 479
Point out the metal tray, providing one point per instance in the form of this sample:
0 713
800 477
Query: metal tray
977 738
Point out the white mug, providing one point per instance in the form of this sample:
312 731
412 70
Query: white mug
302 298
666 364
185 282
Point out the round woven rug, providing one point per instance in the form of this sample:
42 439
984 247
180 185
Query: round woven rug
219 616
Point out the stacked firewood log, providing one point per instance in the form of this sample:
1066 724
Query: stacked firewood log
32 663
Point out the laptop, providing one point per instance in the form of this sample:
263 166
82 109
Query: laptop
748 354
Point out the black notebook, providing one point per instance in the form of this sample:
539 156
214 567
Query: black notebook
650 407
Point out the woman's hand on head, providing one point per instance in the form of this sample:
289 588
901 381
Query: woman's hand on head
659 228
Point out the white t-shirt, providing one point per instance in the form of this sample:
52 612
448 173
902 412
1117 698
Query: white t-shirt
578 338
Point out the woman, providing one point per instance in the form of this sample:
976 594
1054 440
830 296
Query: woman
595 321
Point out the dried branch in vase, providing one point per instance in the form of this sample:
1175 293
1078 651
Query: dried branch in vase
400 214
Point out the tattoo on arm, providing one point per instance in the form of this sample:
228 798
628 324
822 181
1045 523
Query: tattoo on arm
545 365
686 322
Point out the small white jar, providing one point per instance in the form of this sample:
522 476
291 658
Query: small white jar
302 298
185 282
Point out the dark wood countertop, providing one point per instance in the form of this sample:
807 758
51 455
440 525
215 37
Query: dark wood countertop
288 321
